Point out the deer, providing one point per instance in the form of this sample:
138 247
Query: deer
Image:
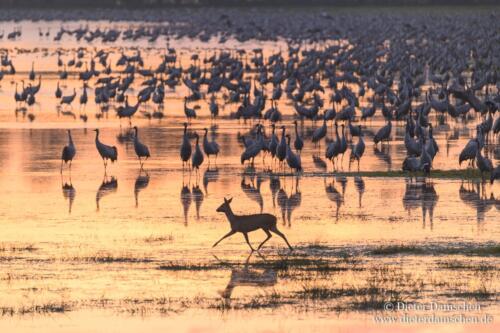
249 223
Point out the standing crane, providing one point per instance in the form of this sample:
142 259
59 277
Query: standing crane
68 152
108 153
141 150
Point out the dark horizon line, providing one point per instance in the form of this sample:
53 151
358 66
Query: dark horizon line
151 4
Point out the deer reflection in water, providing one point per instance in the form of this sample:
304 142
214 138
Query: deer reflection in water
421 194
248 277
69 192
109 185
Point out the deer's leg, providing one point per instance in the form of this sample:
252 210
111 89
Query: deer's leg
232 232
279 233
248 242
269 235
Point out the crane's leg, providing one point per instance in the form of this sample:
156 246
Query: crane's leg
70 162
61 165
248 242
232 232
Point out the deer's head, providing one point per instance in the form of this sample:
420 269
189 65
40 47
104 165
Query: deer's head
225 206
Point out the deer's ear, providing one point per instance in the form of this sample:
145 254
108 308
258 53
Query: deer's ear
229 201
225 200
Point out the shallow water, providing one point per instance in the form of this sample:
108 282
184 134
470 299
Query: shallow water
134 244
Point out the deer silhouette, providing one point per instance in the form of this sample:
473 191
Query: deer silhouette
249 223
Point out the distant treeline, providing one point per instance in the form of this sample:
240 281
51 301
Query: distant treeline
281 3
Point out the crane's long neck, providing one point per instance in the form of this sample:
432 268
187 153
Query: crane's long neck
70 139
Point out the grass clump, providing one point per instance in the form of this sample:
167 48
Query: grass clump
396 249
177 266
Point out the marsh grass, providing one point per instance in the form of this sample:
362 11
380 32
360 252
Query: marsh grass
17 248
281 263
317 292
379 284
396 249
109 259
490 249
302 263
493 250
325 279
179 266
272 300
462 266
383 284
478 294
46 308
159 239
265 301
